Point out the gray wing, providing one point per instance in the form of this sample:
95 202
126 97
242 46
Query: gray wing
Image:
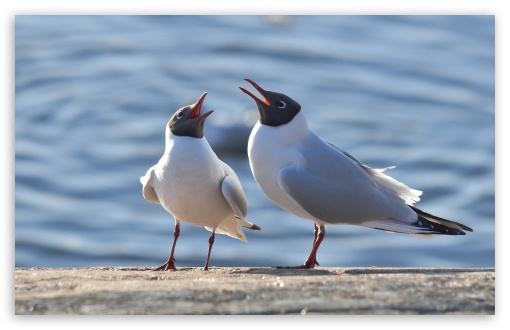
147 188
332 186
408 195
234 194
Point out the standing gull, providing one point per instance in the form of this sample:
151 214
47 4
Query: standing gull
193 184
316 180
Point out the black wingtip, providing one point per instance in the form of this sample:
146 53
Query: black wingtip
255 227
435 228
438 225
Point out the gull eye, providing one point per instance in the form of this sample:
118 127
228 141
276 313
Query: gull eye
179 115
281 104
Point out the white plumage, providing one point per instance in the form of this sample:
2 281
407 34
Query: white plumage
193 184
316 180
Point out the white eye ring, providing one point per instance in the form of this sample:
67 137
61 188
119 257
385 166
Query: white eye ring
179 115
281 104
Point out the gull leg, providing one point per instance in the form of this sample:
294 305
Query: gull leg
319 233
312 259
169 265
315 236
211 242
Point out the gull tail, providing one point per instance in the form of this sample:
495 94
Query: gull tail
232 227
424 226
247 224
437 225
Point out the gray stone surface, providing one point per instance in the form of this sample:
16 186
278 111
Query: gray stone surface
139 290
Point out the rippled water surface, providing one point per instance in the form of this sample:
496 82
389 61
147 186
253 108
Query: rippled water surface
94 93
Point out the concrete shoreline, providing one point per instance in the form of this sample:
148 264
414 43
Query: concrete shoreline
231 290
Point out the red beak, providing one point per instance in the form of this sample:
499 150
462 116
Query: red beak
196 110
261 91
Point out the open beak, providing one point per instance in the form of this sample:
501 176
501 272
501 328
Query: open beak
205 115
261 91
196 110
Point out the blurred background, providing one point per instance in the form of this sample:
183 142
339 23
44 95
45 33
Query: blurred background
94 93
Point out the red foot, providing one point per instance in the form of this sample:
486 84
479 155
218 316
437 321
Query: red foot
169 265
319 233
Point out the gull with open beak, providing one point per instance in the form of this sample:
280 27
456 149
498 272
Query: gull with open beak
316 180
193 184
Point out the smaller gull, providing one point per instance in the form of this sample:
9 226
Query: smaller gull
193 184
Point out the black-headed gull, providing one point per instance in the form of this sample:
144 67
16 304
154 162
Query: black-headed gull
316 180
193 184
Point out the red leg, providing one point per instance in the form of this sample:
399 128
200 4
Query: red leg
169 265
319 233
211 242
315 233
312 259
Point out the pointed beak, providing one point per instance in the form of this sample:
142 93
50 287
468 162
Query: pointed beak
196 110
205 115
260 90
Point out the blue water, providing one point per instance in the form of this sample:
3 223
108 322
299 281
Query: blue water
94 93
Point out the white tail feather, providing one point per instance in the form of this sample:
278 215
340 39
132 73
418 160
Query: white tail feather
408 195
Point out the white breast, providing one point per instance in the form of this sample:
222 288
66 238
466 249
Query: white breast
272 148
189 177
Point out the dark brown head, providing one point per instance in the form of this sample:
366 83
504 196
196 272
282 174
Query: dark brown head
187 121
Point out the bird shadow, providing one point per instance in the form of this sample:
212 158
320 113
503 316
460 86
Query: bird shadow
354 271
284 271
276 271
